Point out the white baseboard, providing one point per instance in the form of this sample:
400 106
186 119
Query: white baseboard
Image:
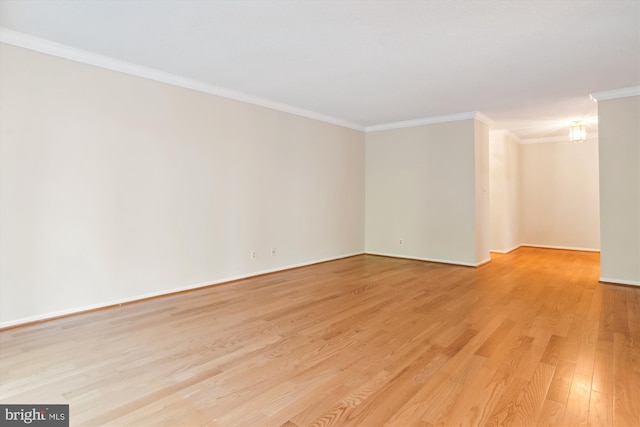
78 310
483 262
620 282
440 261
499 251
531 245
565 248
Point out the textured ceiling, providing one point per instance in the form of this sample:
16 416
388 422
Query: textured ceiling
528 65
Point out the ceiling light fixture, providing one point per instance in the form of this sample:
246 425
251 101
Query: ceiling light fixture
578 132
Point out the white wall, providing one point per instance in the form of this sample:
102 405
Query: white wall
421 188
115 187
559 197
482 210
504 192
619 132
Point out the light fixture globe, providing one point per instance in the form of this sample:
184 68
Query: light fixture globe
578 132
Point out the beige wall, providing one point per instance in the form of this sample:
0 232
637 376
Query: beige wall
504 192
482 211
421 189
115 187
559 197
619 132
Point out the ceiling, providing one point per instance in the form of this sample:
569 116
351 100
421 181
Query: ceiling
528 65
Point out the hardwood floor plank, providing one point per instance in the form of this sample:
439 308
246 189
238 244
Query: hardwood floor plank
530 400
383 402
577 409
620 313
561 382
432 402
489 346
605 328
479 397
343 408
633 313
600 410
523 403
603 374
553 349
626 402
551 414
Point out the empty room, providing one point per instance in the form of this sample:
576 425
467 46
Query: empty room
319 213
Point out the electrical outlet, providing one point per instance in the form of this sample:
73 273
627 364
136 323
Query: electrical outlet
401 242
273 251
254 254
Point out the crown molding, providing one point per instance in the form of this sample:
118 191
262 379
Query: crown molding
616 93
513 136
506 133
557 138
476 115
499 132
483 118
78 55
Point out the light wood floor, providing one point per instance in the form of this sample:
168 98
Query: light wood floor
530 339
